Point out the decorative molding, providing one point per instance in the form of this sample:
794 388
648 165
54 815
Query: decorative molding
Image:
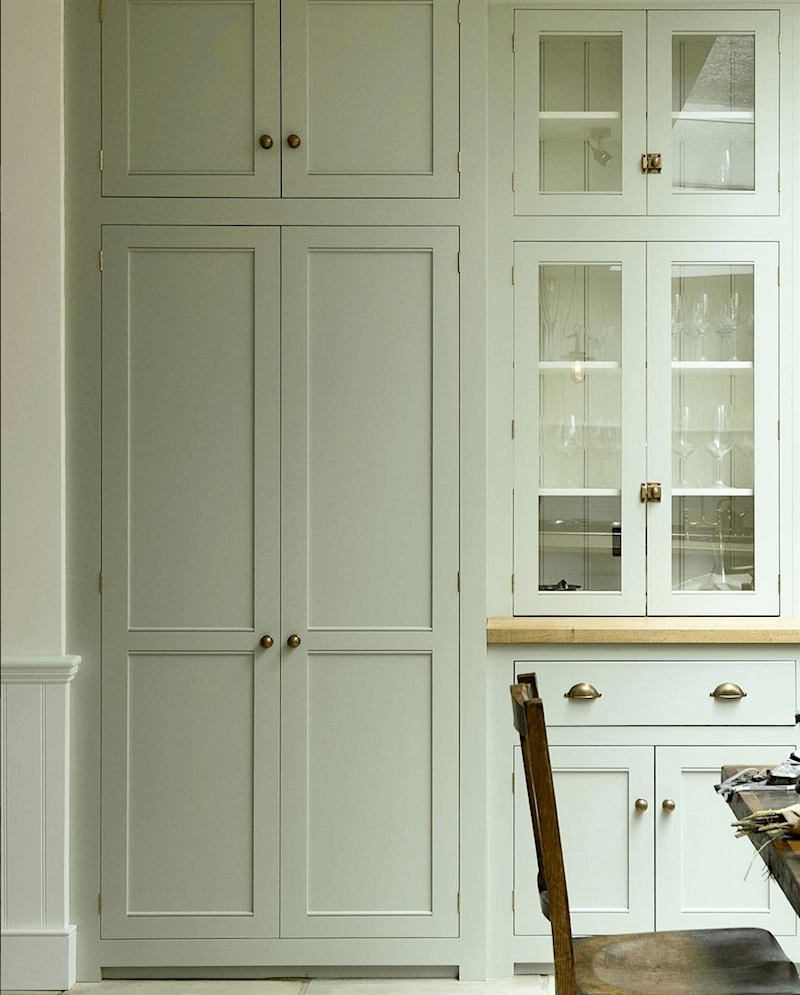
39 669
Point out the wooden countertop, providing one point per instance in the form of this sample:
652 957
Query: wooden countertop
643 630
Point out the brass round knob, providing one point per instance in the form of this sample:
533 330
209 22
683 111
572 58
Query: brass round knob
728 691
266 642
583 691
640 805
668 805
293 141
265 141
293 641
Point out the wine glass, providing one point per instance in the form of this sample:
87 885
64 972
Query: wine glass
721 441
701 322
683 441
728 328
678 324
548 312
569 442
605 444
600 336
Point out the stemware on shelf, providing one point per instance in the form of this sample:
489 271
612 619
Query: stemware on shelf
699 325
683 440
569 442
678 324
605 445
728 328
720 442
548 313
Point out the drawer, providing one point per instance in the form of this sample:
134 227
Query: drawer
666 693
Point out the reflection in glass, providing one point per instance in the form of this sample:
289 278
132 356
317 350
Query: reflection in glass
580 544
713 543
713 113
580 113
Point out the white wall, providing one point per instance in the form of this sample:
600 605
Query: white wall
33 328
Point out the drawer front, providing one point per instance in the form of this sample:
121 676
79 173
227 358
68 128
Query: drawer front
667 693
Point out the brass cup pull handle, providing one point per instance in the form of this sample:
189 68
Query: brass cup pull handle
728 691
293 641
583 691
640 804
266 141
668 805
293 141
266 642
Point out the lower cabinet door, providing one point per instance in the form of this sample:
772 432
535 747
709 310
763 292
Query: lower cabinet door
607 841
704 877
369 706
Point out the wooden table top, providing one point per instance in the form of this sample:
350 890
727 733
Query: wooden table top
782 857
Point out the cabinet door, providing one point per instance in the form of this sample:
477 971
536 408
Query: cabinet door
607 841
371 90
579 112
713 111
702 878
190 582
579 431
370 556
189 88
713 415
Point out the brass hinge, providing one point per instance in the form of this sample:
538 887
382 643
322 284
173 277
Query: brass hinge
459 160
513 276
512 583
100 260
458 902
513 782
513 182
513 43
458 582
100 583
513 429
779 44
100 11
779 181
459 262
99 903
459 11
100 161
779 583
513 900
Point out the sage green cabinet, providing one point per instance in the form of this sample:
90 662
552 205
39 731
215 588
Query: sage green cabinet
280 469
240 98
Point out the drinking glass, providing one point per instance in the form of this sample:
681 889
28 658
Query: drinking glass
605 444
678 324
728 328
721 441
683 441
569 442
548 313
701 322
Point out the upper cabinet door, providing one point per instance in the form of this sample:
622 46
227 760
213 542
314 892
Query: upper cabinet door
371 91
713 112
189 88
579 112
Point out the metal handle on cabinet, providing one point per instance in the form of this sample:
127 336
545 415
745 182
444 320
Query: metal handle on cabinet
728 691
668 805
293 141
266 141
640 804
293 641
583 691
266 642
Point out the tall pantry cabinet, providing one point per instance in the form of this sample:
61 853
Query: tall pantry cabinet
277 370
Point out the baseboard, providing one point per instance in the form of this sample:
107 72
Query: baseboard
38 959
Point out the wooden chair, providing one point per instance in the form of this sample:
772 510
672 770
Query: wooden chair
683 962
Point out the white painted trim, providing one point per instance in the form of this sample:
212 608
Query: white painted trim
39 669
38 960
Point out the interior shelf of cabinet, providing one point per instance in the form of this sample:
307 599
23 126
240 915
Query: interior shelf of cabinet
588 365
568 541
712 492
716 117
572 126
706 365
581 492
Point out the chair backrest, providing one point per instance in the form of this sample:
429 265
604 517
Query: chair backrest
529 722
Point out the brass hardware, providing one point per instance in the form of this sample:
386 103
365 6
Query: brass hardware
583 691
728 691
293 141
668 805
651 162
293 641
265 141
640 805
266 642
651 492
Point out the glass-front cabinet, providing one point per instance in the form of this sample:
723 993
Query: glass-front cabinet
634 112
646 432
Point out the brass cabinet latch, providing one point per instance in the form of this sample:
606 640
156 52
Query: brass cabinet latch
650 492
651 162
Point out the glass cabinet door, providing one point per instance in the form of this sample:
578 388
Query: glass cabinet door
579 112
713 112
579 401
712 414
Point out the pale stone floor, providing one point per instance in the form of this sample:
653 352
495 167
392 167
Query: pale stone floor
531 984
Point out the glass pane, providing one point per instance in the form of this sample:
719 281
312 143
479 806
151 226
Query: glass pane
580 113
712 427
713 113
580 432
